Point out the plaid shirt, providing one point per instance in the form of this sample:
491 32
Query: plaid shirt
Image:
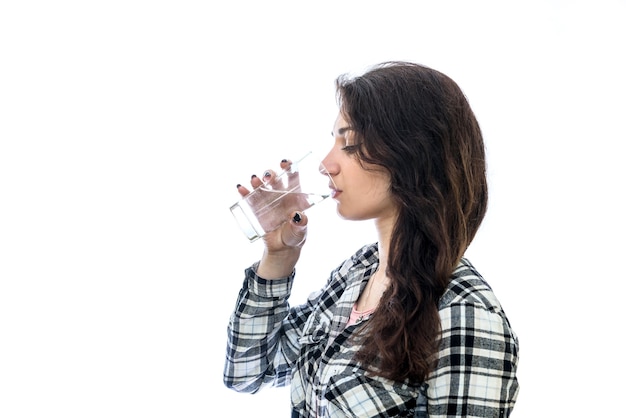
309 347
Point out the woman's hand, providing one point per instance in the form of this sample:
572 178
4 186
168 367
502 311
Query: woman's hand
274 200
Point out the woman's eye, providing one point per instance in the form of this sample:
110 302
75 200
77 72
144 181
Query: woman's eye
350 149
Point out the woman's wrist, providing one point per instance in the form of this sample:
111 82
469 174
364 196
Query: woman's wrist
278 265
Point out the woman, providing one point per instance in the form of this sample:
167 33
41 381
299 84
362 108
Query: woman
406 326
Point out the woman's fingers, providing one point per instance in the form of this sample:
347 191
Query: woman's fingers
285 164
255 181
293 233
243 191
270 179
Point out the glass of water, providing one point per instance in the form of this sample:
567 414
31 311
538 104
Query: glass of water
302 184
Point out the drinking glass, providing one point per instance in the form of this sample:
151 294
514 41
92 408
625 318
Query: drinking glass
298 187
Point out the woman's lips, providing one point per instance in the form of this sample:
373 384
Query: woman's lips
334 192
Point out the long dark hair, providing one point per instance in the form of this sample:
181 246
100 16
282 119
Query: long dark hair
416 123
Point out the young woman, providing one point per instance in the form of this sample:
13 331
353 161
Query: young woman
406 326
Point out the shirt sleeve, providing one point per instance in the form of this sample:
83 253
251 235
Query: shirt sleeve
260 349
475 376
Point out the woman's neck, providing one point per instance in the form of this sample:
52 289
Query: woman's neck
379 281
384 228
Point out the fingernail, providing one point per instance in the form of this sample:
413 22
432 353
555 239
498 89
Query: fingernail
267 174
297 218
238 185
253 176
285 164
284 160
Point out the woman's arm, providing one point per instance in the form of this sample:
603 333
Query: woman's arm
476 373
258 353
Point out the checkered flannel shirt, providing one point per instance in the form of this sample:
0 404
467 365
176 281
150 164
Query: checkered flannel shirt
309 347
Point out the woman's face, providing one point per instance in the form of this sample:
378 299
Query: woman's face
362 192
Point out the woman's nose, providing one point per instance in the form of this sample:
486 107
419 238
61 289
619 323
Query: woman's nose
327 166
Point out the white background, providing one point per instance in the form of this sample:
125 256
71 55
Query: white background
125 125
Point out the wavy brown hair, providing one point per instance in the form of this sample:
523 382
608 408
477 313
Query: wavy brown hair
416 123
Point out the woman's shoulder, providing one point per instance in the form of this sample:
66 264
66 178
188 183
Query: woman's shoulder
467 286
469 306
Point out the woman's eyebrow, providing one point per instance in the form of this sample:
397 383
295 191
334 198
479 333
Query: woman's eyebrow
343 130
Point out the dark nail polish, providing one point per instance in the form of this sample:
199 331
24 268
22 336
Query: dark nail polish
297 218
253 176
284 160
238 185
267 174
